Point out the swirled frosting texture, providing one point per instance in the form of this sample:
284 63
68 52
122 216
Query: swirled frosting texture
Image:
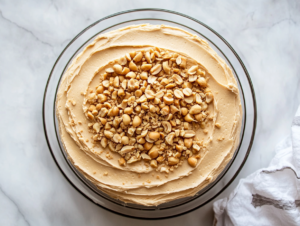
136 183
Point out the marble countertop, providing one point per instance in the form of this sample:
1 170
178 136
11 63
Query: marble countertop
33 33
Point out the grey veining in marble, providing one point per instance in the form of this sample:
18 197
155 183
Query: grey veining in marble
265 33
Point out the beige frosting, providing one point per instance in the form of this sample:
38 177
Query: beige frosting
137 183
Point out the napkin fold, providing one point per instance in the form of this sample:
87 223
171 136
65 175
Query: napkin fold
269 196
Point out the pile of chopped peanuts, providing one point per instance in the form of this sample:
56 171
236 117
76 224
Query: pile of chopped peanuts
148 105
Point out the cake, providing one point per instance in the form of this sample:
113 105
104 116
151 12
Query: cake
149 113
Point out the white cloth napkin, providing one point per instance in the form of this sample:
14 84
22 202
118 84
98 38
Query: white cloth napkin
270 196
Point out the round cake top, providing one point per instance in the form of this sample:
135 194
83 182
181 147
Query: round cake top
149 113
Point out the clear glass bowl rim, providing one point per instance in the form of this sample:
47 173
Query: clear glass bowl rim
217 34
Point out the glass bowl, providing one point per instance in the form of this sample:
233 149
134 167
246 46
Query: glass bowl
152 16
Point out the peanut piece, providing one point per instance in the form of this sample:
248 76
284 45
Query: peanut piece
188 142
153 163
146 67
126 119
192 161
128 110
154 135
136 121
156 69
202 82
90 116
166 67
184 111
125 140
122 162
173 161
153 153
148 146
196 109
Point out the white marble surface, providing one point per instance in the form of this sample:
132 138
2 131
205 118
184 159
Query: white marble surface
266 34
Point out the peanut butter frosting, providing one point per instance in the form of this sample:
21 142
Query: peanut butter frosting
149 113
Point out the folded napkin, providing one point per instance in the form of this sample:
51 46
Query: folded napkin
270 196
